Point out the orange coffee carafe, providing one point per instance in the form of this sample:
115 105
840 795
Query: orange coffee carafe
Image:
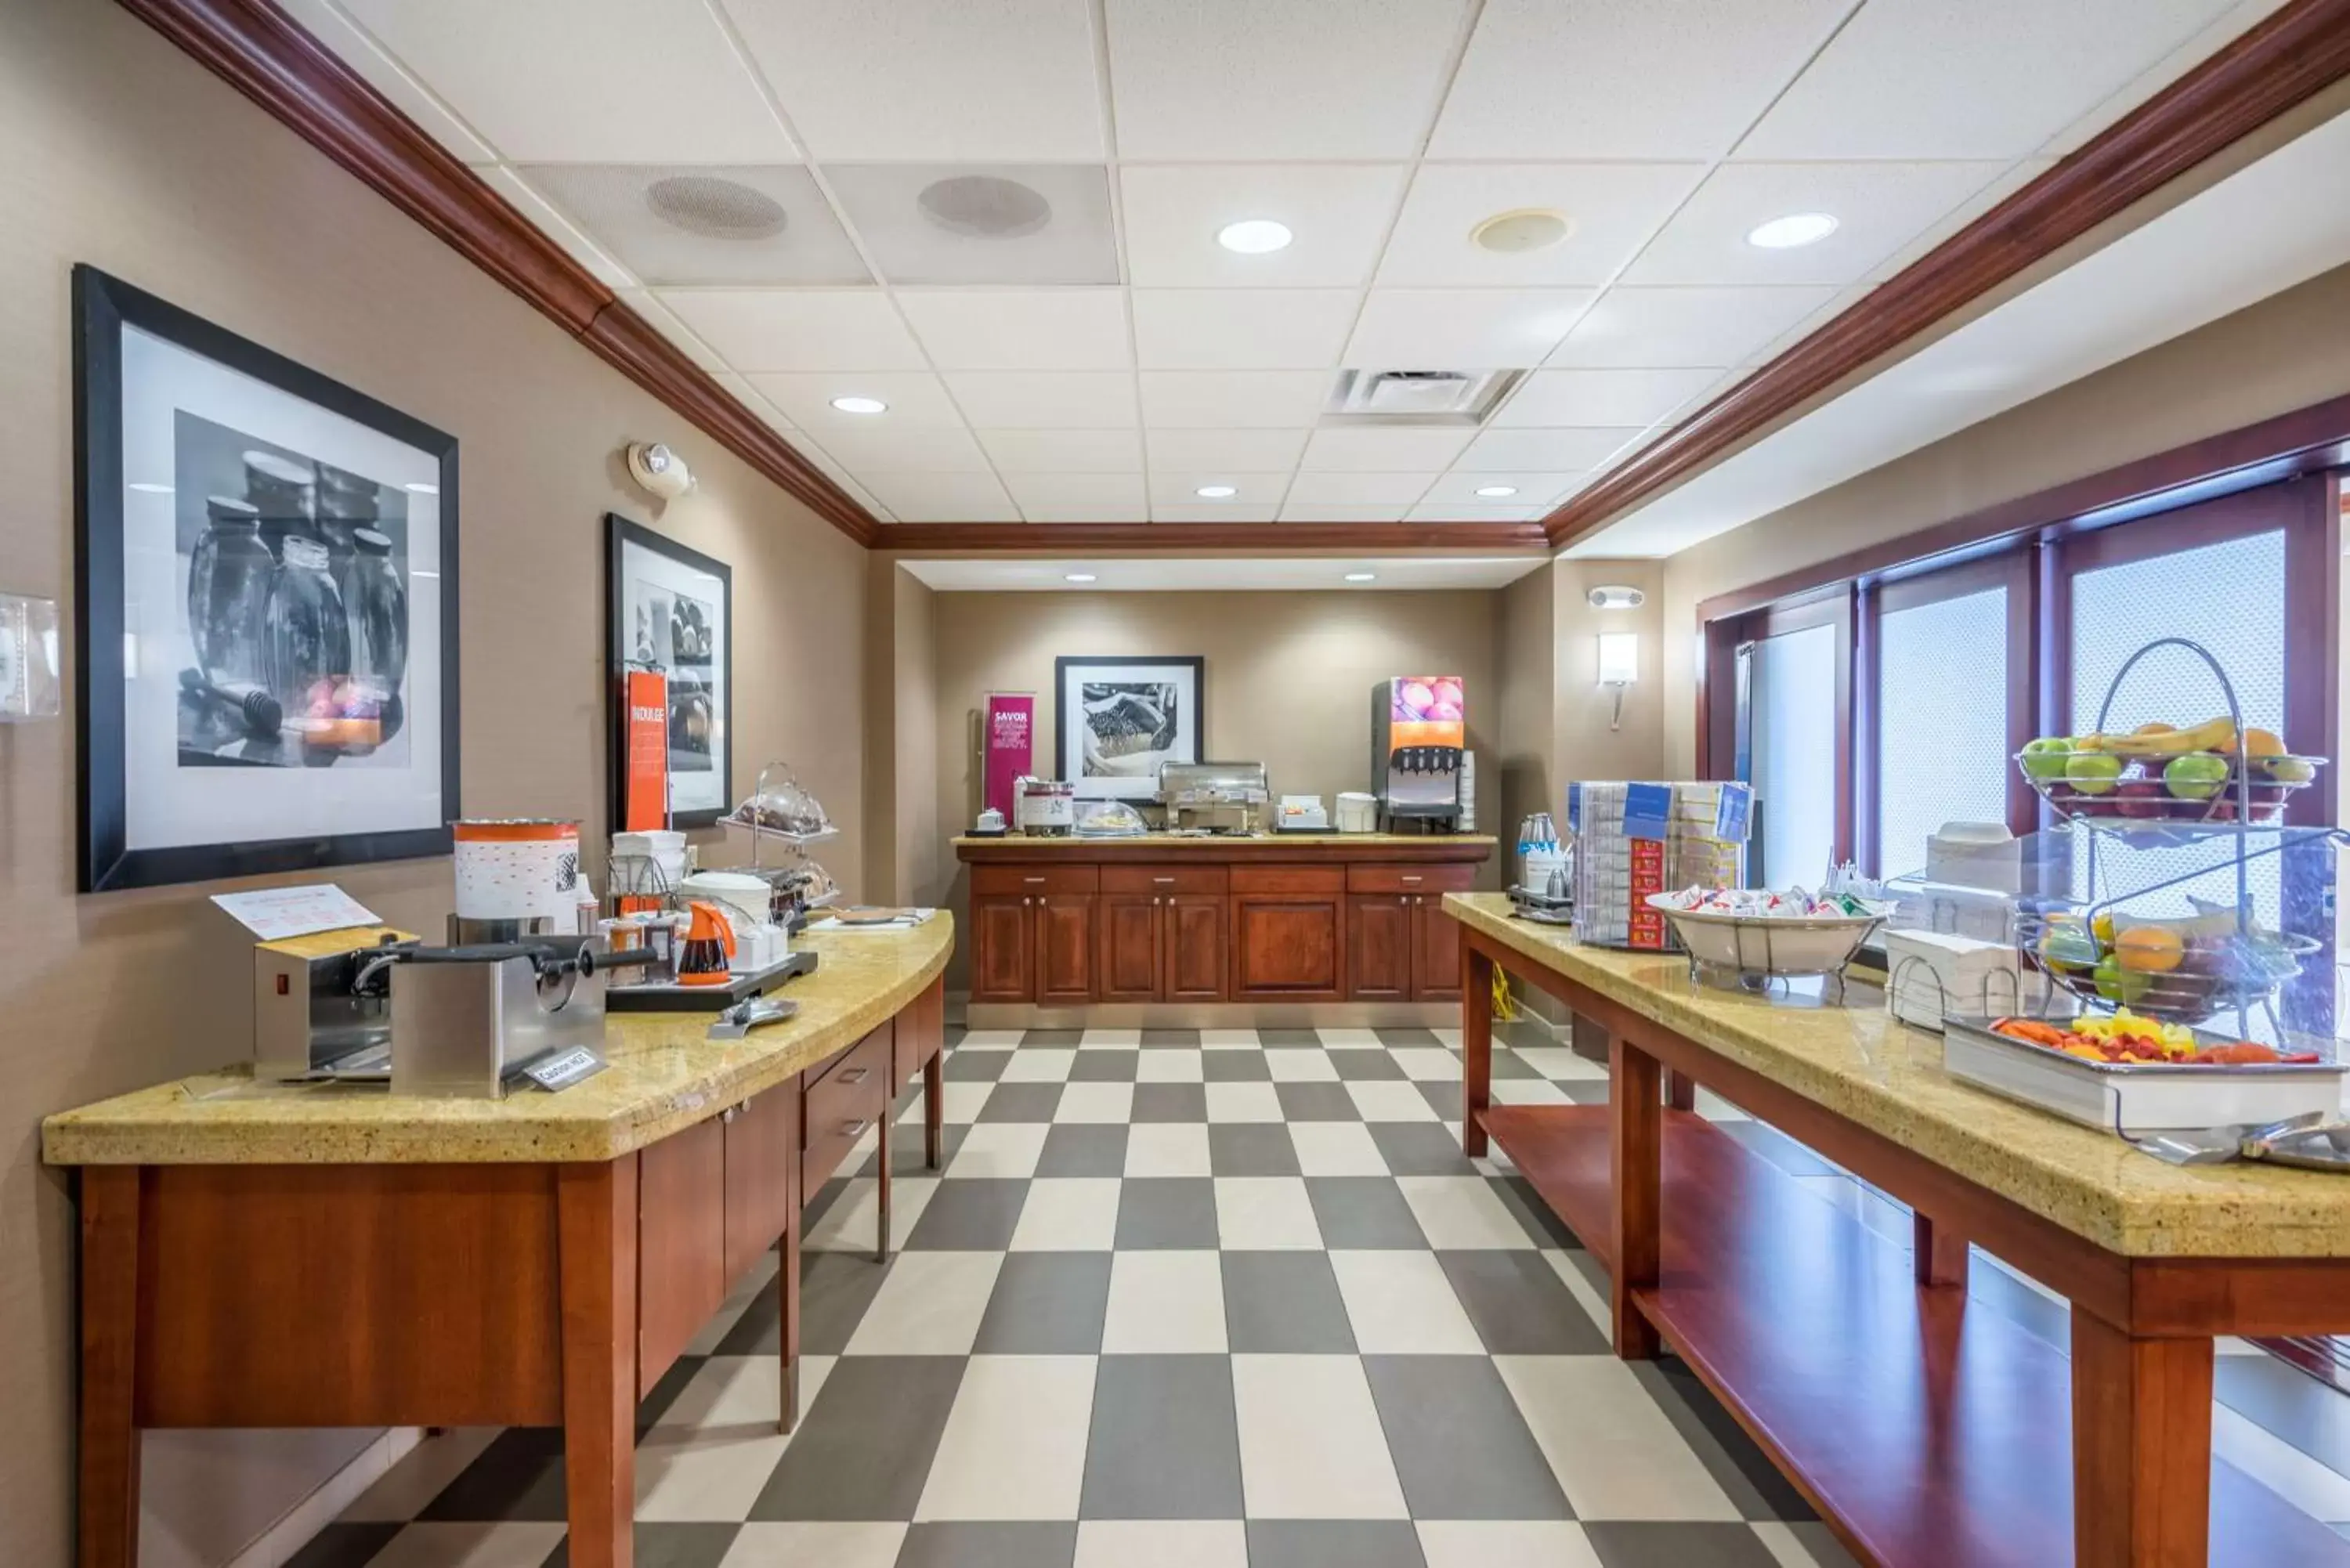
709 943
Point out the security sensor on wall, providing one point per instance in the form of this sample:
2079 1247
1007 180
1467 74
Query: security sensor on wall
660 470
1615 597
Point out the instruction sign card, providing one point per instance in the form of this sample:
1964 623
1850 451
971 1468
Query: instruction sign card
273 914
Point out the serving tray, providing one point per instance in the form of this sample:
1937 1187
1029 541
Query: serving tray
668 997
2134 1096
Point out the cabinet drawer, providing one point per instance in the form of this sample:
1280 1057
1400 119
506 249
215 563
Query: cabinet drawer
1411 878
1016 879
1288 879
1163 879
852 1095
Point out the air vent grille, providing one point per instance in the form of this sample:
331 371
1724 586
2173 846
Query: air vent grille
1438 398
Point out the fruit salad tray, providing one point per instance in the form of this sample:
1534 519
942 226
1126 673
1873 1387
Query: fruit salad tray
2128 1074
2161 776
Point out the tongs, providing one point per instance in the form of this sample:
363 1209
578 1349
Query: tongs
2311 1141
739 1020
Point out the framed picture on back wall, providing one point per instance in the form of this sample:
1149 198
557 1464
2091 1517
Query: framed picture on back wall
670 612
1118 721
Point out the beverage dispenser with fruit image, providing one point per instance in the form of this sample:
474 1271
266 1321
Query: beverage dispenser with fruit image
1420 729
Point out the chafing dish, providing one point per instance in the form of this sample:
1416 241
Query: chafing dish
1216 797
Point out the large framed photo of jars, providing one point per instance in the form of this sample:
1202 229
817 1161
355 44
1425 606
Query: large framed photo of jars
266 598
670 613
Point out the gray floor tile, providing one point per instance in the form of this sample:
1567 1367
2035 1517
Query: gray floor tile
1421 1148
1280 1038
1332 1543
977 1215
1175 1039
834 1290
1520 1306
1461 1448
1508 1063
1083 1148
1828 1552
1444 1097
1622 1544
906 1148
1251 1148
1540 1219
1364 1066
1053 1039
1316 1103
1585 1091
864 1446
1104 1066
1285 1303
1750 1481
665 1392
988 1545
1173 1102
518 1477
1046 1303
822 1200
1020 1103
1233 1067
669 1545
1408 1039
1362 1213
975 1066
345 1545
1155 1213
1165 1441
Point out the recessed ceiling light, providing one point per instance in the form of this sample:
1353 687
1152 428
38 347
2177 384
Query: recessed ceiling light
1794 229
149 489
1254 236
860 405
1495 491
1216 492
1362 576
1521 230
1080 578
421 489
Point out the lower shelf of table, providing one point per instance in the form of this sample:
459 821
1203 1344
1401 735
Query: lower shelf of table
1928 1431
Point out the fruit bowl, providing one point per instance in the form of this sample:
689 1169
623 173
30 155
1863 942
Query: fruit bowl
2165 779
2181 970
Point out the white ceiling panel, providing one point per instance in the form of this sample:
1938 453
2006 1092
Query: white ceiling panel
558 228
1241 451
1016 574
1336 215
1020 329
1368 489
1463 328
1503 451
1449 512
1390 450
1611 208
1601 396
1992 78
2018 175
1877 208
1666 327
979 223
1079 497
917 78
543 81
2232 23
806 446
1228 399
1241 329
358 50
1064 451
1459 488
1263 81
665 321
1044 400
740 389
944 497
916 399
798 330
1294 513
1624 79
914 450
706 223
1205 512
1180 489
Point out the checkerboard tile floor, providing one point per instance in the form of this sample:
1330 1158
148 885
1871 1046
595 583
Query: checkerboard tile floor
1190 1299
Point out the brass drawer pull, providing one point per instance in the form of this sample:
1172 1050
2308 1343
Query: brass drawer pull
1163 880
1033 881
856 1075
1411 879
856 1129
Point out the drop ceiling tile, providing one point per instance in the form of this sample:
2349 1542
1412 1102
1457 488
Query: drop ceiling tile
739 388
1995 78
1601 396
943 497
1336 215
2022 173
1566 450
1459 488
1877 208
525 199
1389 449
2232 23
1624 79
1446 512
1241 329
910 450
1208 513
980 79
1613 208
783 230
1841 301
544 80
358 49
806 446
1256 80
1368 489
1079 497
1044 400
1463 328
916 398
798 330
1667 327
1230 400
1020 329
1294 513
665 321
1064 451
1176 489
1237 451
951 223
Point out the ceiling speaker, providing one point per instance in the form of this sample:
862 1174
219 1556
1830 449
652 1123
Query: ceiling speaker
984 206
715 208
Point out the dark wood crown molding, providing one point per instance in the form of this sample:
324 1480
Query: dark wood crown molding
265 55
2291 56
1244 538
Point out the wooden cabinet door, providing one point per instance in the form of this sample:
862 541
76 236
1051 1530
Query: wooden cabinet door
1193 927
1063 941
1435 950
1126 929
1289 945
681 1243
1379 934
1002 959
762 1174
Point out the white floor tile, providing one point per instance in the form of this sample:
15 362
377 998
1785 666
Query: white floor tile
2276 1464
1714 1108
1266 1213
1389 1101
714 1448
1789 1550
1167 1066
1004 1151
738 1300
1348 1039
1559 1062
1110 1039
1015 1444
990 1040
420 1475
1505 1544
1068 1214
849 1225
1449 1038
1043 1065
1165 1303
1401 1304
1459 1213
1337 1149
811 1545
963 1099
1163 1544
1587 1294
1228 1039
930 1305
452 1545
2229 1345
1242 1102
1612 1450
1095 1103
1166 1149
1311 1443
1528 1092
1290 1065
1427 1063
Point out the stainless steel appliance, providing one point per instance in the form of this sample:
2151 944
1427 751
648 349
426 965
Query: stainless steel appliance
466 1020
1047 807
1216 797
322 1006
1418 732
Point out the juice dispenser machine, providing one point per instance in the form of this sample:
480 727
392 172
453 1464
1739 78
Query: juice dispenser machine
1420 729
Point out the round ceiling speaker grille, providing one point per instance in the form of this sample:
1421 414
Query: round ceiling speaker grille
984 206
1525 229
715 209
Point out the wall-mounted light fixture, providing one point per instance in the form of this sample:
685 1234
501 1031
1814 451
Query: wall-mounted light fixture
1619 666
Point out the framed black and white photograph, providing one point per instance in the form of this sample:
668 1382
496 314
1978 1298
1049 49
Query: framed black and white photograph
671 612
266 582
1118 719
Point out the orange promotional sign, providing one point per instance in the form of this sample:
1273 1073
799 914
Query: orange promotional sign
646 803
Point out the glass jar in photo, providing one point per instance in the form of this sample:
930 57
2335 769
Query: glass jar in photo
229 577
309 632
377 603
280 491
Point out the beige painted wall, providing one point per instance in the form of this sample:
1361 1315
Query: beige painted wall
124 153
2270 358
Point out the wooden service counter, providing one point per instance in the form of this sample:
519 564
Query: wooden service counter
268 1256
1927 1431
1284 917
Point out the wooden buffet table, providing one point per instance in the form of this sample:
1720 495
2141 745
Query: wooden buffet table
257 1256
1924 1431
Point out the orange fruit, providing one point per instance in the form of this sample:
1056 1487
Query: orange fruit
2262 743
2149 949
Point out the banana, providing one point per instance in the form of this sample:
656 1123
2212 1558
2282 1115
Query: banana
2216 735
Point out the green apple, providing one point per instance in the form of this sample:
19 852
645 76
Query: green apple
2115 983
2044 759
2092 773
2198 775
2292 770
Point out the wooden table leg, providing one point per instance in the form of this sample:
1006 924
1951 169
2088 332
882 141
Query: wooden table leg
934 1109
788 1272
108 1497
2141 1449
595 1207
1680 1092
1938 1253
1476 1045
882 1171
1637 1150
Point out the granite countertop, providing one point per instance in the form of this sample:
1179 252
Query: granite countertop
1888 1078
664 1077
1265 841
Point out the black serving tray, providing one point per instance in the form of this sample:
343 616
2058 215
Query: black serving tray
673 998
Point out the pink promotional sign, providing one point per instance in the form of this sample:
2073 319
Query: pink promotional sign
1011 720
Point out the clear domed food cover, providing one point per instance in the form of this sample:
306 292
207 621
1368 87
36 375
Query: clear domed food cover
780 804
